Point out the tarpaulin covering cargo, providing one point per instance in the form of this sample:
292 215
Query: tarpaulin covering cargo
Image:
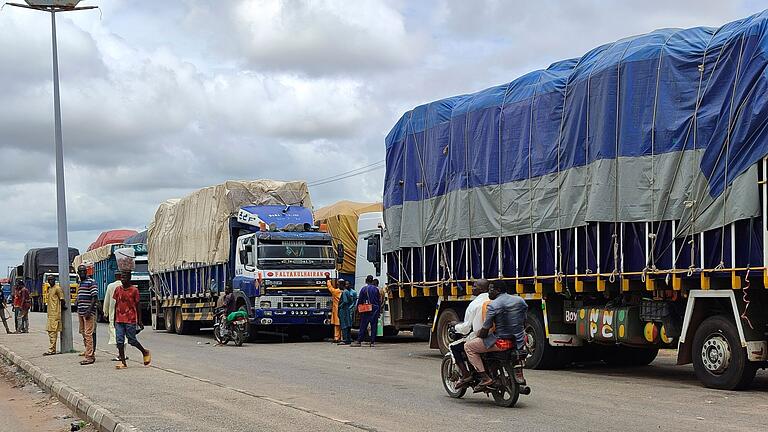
667 125
42 260
111 237
137 238
93 256
341 219
194 230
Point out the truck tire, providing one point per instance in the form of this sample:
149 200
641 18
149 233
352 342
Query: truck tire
169 316
719 360
629 356
541 355
182 327
443 324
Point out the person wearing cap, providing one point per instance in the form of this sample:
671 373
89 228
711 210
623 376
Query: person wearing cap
54 299
87 299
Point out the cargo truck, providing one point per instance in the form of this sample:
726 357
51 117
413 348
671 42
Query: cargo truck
38 262
622 194
5 285
257 237
104 264
73 284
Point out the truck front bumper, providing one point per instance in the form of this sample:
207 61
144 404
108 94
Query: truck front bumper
291 316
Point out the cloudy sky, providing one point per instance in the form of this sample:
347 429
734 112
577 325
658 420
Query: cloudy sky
162 97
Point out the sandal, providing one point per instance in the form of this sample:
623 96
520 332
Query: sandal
49 353
117 359
87 362
147 358
121 366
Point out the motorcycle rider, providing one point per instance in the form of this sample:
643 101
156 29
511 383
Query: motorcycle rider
229 305
506 314
473 321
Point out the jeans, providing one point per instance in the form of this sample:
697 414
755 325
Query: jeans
346 334
123 330
24 328
366 319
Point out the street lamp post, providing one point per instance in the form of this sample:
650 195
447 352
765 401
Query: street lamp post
52 7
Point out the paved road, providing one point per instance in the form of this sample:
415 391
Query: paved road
396 387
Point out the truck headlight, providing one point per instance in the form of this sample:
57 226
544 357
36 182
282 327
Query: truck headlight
265 304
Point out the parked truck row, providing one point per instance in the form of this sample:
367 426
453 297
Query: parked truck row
622 194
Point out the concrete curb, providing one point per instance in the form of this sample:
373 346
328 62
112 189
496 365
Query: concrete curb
83 407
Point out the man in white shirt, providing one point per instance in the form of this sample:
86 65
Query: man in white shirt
473 321
109 308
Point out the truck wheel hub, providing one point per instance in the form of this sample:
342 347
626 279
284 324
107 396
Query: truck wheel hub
530 340
716 354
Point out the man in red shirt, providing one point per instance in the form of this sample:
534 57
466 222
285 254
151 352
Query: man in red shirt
126 318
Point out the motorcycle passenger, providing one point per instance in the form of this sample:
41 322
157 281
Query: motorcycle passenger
506 314
473 321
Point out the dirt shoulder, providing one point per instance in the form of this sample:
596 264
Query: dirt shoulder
24 407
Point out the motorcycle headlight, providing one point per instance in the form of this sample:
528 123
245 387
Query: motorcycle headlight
265 304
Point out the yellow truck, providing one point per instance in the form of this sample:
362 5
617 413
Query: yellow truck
72 287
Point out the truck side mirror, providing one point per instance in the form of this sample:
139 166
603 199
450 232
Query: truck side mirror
339 253
373 254
374 249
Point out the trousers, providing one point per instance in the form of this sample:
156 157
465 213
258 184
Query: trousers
474 348
53 336
346 334
336 333
87 329
5 320
367 319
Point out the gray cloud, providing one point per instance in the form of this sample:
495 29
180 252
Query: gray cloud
161 98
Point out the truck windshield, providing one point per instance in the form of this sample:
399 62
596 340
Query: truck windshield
296 256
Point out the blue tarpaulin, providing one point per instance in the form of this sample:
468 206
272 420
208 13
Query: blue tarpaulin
663 126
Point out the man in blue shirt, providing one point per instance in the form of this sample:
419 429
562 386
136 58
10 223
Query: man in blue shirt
507 313
86 303
369 307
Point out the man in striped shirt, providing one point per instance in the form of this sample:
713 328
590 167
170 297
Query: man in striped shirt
86 303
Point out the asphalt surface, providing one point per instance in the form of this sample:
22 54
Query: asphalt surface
196 385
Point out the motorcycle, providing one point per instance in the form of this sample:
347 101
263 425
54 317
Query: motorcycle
504 367
232 327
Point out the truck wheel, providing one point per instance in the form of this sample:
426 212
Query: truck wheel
170 320
719 360
541 355
182 327
629 356
446 317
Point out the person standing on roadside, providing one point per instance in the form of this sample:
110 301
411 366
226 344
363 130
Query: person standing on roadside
3 302
346 312
25 303
16 299
87 300
108 308
335 297
368 306
127 314
54 300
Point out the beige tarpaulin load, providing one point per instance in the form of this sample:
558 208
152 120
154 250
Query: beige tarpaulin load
341 219
194 230
93 256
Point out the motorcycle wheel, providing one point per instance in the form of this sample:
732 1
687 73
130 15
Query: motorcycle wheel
509 390
217 335
450 375
238 337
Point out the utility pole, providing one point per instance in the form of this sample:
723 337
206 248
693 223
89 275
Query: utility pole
52 7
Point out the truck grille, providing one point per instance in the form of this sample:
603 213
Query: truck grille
294 302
